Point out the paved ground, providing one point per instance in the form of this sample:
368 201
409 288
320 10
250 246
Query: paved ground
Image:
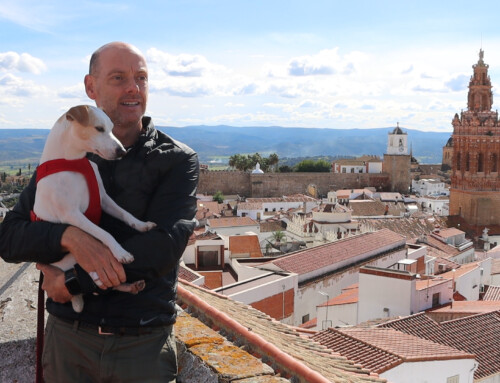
18 299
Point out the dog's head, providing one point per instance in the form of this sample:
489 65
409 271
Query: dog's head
92 129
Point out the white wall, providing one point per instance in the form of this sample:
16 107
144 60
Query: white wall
338 315
468 284
383 297
234 230
308 297
423 298
431 371
258 293
374 167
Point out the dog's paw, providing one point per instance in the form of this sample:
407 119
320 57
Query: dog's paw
132 288
124 257
137 286
144 226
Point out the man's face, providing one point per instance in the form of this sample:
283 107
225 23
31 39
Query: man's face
119 85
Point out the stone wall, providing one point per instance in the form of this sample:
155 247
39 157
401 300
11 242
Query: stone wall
279 184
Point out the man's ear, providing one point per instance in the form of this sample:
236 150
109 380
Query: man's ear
89 87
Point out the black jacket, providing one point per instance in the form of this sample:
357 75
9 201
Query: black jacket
155 181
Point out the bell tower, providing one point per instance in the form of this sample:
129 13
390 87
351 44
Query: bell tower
475 182
397 161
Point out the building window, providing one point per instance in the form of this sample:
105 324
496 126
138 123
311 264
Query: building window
208 258
343 170
458 161
480 163
494 160
352 170
305 318
435 299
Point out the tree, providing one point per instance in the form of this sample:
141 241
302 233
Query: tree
273 160
285 169
278 236
246 162
218 196
319 166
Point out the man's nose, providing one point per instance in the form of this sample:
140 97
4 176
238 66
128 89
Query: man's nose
132 86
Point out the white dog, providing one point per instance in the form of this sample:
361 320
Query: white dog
64 193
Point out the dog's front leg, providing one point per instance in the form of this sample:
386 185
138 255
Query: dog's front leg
78 219
112 208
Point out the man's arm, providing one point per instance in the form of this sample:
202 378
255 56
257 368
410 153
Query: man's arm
24 241
44 242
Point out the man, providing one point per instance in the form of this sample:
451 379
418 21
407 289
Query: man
118 337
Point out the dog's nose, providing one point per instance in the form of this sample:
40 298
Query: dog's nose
120 152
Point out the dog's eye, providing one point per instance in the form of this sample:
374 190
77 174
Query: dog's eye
99 129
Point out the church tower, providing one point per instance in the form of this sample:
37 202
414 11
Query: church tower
475 182
397 161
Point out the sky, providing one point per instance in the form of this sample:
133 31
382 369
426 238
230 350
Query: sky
311 64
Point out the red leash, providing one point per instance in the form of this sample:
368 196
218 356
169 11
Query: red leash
40 320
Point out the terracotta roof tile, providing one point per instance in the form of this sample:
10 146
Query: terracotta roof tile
245 244
410 227
187 274
476 334
492 294
231 221
380 349
289 340
339 252
349 295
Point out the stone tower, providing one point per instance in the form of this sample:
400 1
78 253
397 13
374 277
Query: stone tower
475 182
447 155
397 161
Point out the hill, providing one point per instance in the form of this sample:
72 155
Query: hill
22 145
213 141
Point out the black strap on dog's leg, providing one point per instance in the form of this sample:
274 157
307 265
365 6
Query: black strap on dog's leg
40 330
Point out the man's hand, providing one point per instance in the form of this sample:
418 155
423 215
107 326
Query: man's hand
53 283
93 256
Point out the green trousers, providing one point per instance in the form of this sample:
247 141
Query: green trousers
74 354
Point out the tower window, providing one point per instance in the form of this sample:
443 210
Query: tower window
480 162
494 160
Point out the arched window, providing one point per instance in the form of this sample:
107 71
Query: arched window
480 162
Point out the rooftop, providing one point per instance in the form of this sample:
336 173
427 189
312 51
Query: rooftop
381 349
332 254
231 222
476 334
289 350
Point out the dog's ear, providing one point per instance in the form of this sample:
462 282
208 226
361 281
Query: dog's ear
79 114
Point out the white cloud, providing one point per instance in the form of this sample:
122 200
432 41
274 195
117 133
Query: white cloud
75 91
16 86
23 62
183 65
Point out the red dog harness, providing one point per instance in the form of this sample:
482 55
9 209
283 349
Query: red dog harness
81 166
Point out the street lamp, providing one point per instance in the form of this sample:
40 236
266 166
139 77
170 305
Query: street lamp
326 323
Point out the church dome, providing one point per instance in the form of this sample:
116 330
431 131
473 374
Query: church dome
397 130
257 169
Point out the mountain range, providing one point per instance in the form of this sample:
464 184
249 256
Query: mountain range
215 142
